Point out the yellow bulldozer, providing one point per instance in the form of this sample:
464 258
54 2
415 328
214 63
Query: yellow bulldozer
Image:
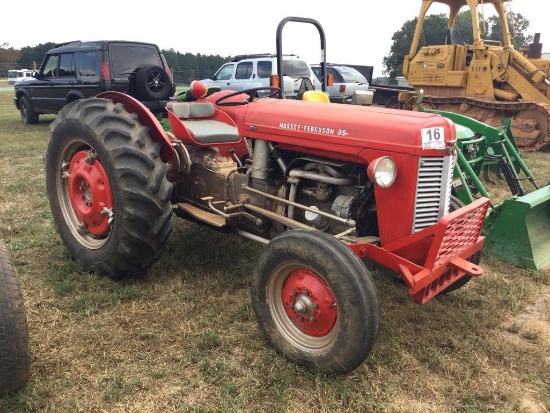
487 80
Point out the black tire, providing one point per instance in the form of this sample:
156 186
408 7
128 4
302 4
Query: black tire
475 259
28 115
15 354
336 289
153 83
112 211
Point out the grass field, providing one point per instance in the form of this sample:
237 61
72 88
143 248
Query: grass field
184 337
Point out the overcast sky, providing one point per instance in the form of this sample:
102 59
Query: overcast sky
357 32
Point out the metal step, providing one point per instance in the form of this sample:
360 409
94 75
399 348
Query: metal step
202 215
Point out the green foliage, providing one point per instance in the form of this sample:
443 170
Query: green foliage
434 33
402 39
434 30
187 66
8 55
463 24
517 25
33 56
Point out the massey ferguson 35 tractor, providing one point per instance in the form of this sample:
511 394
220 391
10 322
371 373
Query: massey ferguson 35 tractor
328 188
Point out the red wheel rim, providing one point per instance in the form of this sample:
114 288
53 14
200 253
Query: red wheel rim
309 303
90 193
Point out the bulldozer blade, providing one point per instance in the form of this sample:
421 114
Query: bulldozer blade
517 231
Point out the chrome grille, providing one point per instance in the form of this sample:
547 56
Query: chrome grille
433 191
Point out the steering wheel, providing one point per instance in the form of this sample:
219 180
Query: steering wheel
252 92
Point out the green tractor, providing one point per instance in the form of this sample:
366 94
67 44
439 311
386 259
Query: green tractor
517 230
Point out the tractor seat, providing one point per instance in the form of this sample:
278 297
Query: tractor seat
199 120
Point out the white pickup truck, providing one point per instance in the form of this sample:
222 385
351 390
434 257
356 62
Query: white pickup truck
349 86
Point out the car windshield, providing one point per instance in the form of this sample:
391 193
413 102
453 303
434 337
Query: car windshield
296 68
351 75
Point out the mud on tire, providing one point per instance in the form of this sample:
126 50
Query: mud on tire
107 188
15 356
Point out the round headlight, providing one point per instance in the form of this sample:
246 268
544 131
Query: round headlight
382 171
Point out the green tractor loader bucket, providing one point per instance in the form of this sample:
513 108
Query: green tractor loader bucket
517 230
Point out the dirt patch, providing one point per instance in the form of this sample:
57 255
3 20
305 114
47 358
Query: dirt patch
533 324
527 329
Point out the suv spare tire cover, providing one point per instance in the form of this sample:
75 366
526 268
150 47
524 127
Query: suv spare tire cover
153 83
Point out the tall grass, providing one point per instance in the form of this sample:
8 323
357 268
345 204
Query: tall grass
184 338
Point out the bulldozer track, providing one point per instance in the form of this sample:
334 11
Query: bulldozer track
492 112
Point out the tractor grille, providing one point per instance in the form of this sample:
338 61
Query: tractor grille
433 191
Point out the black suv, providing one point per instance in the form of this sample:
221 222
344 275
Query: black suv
78 70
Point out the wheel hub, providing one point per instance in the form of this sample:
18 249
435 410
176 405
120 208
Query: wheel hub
90 193
309 303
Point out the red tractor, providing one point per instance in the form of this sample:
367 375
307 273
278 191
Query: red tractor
328 188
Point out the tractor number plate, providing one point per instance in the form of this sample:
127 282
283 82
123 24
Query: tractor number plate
433 138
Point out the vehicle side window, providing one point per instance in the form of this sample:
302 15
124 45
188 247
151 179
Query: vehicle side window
317 72
264 69
244 70
50 66
66 65
225 73
88 64
337 76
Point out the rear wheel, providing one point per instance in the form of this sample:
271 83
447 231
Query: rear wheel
315 301
15 358
107 188
28 115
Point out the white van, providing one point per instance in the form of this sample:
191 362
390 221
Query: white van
18 75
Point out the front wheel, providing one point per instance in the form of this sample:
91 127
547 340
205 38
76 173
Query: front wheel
107 188
315 301
28 115
15 356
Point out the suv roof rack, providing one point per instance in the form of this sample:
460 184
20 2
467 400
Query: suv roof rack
66 43
256 55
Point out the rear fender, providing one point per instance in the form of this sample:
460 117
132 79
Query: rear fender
146 118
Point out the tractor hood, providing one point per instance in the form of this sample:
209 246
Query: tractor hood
345 128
